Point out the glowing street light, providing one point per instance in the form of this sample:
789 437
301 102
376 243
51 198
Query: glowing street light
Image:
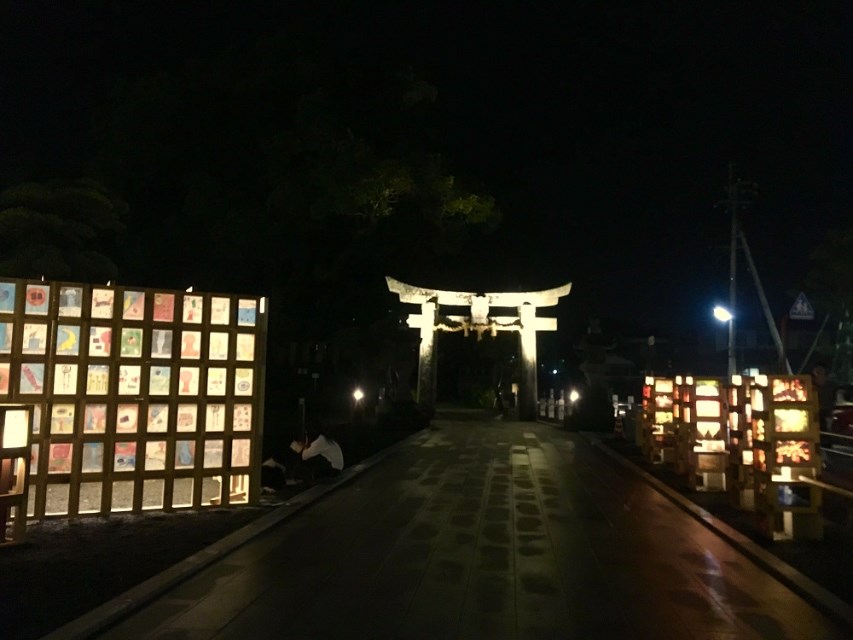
722 314
358 395
574 396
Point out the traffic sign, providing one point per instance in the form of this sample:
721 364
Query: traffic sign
802 309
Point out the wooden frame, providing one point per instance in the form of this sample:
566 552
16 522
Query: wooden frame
105 370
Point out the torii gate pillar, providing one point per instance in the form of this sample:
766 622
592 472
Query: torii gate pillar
527 398
427 368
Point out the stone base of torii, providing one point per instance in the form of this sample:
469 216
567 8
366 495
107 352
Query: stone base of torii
526 323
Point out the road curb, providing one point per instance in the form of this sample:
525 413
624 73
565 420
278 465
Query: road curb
101 618
816 595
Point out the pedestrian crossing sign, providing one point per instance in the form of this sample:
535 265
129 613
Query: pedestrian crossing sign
802 309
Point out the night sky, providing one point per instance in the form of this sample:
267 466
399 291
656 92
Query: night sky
603 129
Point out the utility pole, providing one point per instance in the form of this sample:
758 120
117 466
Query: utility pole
732 193
734 202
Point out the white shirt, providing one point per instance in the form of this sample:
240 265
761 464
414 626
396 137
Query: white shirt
331 451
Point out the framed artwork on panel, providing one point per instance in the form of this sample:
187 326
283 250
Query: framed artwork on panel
4 378
129 380
215 418
62 419
100 339
67 340
213 454
245 346
191 345
218 346
36 418
242 417
246 313
32 378
7 297
103 301
161 343
133 307
37 300
241 449
7 332
35 338
243 382
34 459
158 418
158 382
192 309
70 302
188 381
164 307
155 455
187 417
95 418
93 457
124 458
127 418
131 342
184 454
98 379
216 377
220 309
60 457
64 379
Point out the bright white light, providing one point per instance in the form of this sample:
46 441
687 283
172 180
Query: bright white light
554 372
574 396
189 289
722 314
358 394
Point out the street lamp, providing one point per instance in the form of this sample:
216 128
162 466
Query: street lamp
724 315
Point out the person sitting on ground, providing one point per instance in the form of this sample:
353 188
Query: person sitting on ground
322 458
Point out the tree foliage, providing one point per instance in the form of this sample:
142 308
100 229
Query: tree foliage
59 230
275 170
830 279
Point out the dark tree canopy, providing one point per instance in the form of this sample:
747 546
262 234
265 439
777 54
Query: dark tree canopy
60 230
271 170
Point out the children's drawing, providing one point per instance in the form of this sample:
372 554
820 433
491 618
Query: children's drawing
134 305
245 346
215 418
242 417
60 457
246 312
102 303
155 455
70 302
4 378
37 299
158 382
62 419
127 418
97 379
7 297
164 307
191 345
187 417
184 454
188 381
67 340
161 343
131 342
35 338
220 309
193 307
93 457
100 339
158 418
129 380
7 332
218 346
241 449
64 379
216 377
95 418
213 453
32 378
243 382
125 456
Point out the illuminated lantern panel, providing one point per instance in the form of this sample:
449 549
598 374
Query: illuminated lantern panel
144 399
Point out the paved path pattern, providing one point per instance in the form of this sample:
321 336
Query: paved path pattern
485 529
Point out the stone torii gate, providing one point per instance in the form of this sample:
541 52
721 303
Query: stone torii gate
525 323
